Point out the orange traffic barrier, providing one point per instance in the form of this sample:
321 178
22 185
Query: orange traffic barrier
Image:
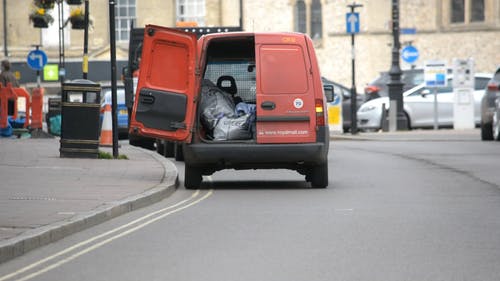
21 92
107 127
37 108
6 94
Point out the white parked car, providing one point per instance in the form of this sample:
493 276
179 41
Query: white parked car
419 106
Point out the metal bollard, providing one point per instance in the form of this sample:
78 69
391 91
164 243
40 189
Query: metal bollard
384 122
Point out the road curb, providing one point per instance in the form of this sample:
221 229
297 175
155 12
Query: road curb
442 135
35 238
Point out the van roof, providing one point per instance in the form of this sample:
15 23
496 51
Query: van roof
247 34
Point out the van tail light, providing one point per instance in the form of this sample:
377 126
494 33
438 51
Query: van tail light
493 87
320 113
371 89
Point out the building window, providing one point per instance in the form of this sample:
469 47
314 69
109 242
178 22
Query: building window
467 11
191 11
316 20
125 12
300 17
457 11
477 10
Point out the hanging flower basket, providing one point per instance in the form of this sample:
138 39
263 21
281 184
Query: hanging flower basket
77 23
77 19
40 22
74 2
40 18
46 4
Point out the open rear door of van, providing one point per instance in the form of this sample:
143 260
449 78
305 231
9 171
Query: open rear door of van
164 102
285 91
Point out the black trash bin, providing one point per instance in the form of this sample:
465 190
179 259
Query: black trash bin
80 119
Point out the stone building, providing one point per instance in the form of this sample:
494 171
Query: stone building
440 29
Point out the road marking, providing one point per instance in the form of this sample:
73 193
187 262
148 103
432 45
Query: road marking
95 246
344 210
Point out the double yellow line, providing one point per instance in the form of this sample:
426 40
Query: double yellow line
44 265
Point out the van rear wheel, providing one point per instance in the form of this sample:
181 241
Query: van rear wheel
192 177
319 176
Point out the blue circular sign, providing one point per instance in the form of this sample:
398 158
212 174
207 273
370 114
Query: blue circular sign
36 59
409 54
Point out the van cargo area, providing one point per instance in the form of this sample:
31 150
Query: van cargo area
227 99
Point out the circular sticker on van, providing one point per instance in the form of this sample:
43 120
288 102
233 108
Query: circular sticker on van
298 103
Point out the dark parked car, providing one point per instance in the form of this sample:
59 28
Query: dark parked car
378 87
346 101
490 112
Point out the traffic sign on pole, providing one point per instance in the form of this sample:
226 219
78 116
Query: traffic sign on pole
410 54
352 22
352 27
36 59
435 73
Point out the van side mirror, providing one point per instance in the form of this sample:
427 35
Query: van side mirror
329 93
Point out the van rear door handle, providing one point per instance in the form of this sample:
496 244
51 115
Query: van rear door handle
268 105
147 99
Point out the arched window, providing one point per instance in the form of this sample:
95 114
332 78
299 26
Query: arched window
477 11
457 11
300 16
316 20
466 11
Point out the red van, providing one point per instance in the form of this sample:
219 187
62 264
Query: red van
236 100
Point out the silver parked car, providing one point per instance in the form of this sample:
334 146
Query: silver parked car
419 106
490 108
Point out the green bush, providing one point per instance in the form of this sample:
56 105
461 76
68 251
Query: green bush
107 155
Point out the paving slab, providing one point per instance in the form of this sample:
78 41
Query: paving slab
44 197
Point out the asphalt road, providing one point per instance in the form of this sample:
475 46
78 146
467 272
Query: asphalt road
396 210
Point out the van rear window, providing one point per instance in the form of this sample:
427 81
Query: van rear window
283 69
243 73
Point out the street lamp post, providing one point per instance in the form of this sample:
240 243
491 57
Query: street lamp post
85 65
112 39
62 71
354 119
397 118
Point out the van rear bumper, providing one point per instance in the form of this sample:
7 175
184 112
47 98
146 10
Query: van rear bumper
223 155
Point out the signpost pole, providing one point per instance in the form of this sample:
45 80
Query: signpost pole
436 126
352 22
38 78
435 76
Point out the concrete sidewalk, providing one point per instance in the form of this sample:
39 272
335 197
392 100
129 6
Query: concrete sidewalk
44 198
